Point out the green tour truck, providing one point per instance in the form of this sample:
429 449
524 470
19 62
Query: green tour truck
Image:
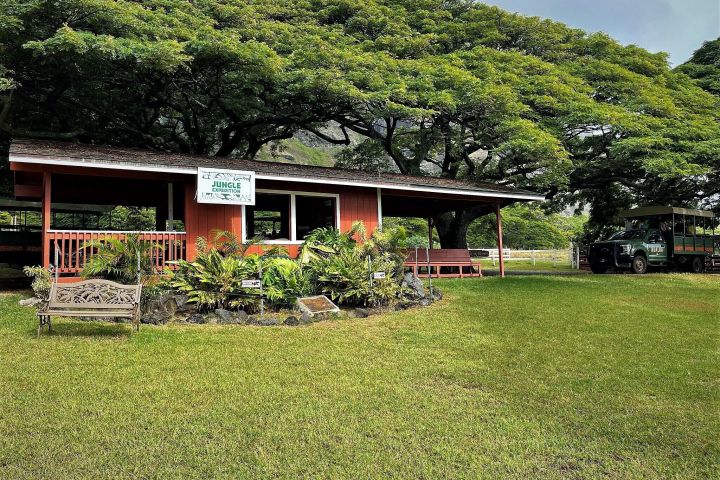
658 237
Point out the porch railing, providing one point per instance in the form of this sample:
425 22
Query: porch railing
74 250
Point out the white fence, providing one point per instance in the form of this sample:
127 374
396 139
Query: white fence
568 256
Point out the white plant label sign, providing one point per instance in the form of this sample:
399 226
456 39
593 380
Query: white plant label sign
228 187
250 284
378 275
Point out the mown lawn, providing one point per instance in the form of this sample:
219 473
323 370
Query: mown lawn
568 377
527 265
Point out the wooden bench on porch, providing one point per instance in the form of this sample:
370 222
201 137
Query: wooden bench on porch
442 261
92 298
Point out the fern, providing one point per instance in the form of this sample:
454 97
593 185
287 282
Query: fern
117 259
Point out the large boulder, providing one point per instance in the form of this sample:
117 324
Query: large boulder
414 285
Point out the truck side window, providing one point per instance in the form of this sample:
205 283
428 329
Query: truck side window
655 238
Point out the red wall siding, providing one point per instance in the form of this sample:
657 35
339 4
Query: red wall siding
201 219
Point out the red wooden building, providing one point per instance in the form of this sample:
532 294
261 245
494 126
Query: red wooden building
290 200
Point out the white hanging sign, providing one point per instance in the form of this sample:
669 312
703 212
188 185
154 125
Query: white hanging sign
229 187
250 284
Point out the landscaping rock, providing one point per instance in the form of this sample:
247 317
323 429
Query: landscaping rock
415 285
31 302
182 304
291 321
268 322
195 318
361 313
158 310
241 317
306 318
425 302
225 316
437 294
211 318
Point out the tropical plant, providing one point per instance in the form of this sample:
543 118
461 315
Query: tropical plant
346 277
214 280
118 259
342 267
42 280
284 281
323 242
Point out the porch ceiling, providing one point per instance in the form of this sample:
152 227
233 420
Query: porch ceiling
424 207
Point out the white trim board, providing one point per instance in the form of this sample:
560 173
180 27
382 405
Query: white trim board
282 178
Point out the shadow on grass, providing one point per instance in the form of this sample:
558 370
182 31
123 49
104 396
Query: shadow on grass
90 329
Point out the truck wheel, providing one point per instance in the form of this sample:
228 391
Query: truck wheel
697 265
639 264
597 269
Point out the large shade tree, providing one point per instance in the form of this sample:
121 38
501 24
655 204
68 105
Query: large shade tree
435 87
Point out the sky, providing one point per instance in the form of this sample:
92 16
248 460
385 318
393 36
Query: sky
677 27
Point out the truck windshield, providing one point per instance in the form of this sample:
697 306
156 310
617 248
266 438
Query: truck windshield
628 235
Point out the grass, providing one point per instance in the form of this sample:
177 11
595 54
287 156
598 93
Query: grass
527 265
301 153
524 377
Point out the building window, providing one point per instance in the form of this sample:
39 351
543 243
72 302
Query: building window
269 218
313 212
288 217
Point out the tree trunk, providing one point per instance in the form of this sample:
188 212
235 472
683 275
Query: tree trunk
452 226
6 177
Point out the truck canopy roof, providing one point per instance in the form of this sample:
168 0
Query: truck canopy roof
647 211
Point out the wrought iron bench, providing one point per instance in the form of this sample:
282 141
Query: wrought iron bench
92 298
457 259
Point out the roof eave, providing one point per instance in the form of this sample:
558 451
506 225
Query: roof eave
88 163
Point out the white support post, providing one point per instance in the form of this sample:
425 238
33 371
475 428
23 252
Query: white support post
170 226
379 208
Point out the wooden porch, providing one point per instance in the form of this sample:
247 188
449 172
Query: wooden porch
71 249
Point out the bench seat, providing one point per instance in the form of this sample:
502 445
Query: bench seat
91 298
443 258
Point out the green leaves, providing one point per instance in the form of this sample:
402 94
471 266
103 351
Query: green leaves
118 259
455 88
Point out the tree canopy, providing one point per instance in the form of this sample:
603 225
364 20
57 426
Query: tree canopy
704 66
439 87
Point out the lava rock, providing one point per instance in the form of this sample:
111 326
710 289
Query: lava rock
195 318
361 313
225 316
182 304
414 284
158 310
425 302
291 321
267 322
241 317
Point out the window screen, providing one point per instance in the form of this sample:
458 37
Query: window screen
312 213
269 218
